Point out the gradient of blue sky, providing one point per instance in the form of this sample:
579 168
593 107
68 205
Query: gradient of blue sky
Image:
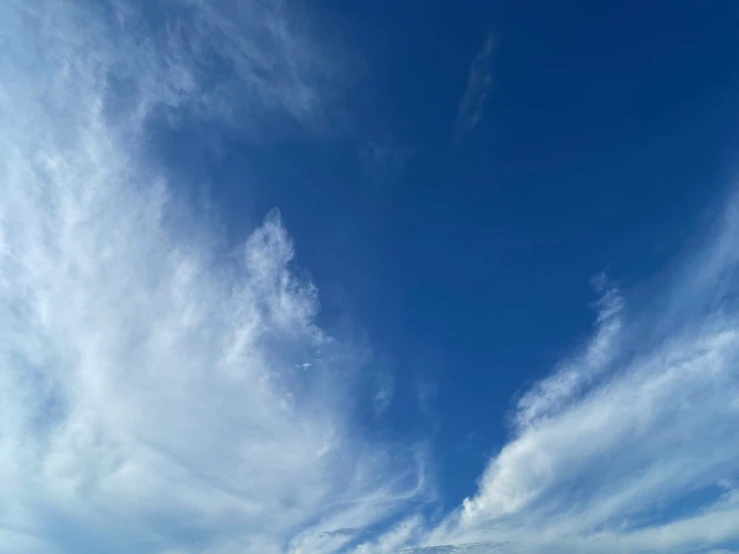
330 277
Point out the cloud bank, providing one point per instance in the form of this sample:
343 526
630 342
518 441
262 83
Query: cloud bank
162 393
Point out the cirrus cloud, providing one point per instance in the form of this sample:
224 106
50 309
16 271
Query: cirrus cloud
160 393
632 444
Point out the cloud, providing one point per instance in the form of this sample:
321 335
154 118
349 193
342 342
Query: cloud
550 394
161 394
385 390
479 83
426 393
251 65
632 445
382 161
393 539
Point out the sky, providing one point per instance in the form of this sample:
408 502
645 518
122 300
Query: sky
369 277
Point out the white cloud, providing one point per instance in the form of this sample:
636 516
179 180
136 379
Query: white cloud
550 394
479 84
156 393
394 539
272 63
633 444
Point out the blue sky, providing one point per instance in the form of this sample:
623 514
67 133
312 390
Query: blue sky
369 277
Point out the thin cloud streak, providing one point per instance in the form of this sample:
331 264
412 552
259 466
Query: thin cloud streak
479 85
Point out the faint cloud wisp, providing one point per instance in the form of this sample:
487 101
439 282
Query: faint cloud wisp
479 85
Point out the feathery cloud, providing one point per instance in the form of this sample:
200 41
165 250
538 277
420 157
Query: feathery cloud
633 443
479 83
156 392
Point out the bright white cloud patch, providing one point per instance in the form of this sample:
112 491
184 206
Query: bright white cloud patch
158 394
631 445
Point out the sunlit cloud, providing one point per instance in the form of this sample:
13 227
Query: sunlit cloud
162 394
632 444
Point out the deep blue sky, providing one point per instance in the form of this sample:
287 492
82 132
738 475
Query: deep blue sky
609 130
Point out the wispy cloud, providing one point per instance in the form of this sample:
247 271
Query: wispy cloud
632 445
479 84
157 395
253 65
394 539
383 160
385 390
574 376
